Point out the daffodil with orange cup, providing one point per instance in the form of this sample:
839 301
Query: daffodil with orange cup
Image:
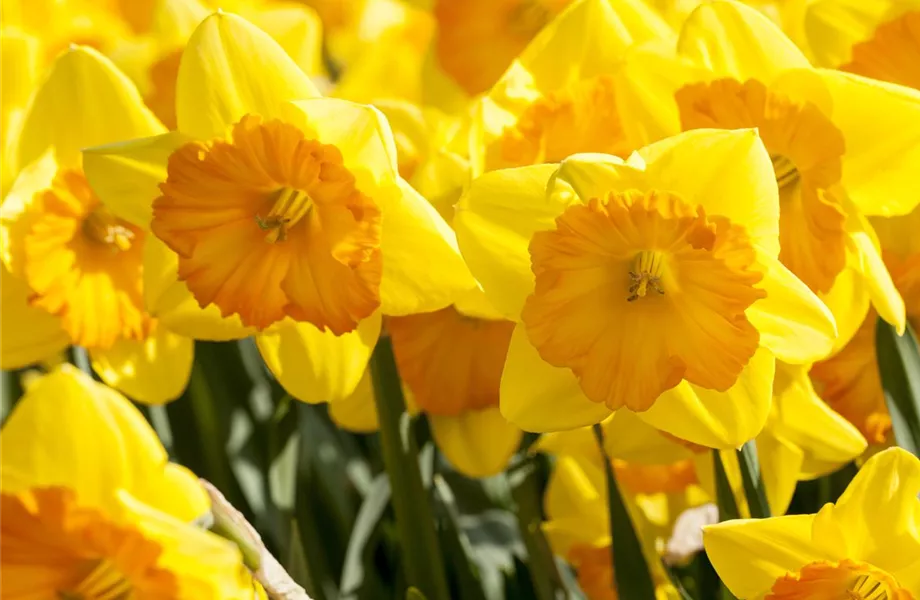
649 285
277 213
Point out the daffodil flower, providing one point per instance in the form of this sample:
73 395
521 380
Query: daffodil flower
92 509
72 269
649 285
843 147
876 39
277 213
865 546
578 528
562 95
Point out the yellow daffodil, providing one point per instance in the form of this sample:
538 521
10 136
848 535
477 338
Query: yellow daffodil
578 528
562 95
278 213
450 360
73 269
865 547
657 472
650 285
849 381
92 509
843 147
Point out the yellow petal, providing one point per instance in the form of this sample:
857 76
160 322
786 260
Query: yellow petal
318 366
827 440
714 419
18 211
70 431
478 443
231 68
20 52
298 30
631 439
848 300
577 489
749 555
357 412
881 125
738 41
588 40
205 565
181 495
495 220
171 302
780 466
879 509
126 175
793 323
423 270
833 26
537 396
884 295
27 334
736 180
84 101
152 371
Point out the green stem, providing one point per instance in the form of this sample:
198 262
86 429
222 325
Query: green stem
630 570
728 508
752 479
414 517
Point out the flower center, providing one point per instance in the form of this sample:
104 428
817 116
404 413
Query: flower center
582 117
451 362
288 207
645 274
269 224
786 173
101 226
85 265
604 256
892 54
806 149
846 580
595 571
653 479
103 582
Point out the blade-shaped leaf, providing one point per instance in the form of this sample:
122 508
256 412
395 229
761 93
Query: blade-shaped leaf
899 368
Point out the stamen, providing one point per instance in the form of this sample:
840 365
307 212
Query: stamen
785 170
104 582
288 207
105 228
646 272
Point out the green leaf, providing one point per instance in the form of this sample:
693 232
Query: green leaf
752 479
525 491
360 542
457 548
631 573
899 368
728 508
421 555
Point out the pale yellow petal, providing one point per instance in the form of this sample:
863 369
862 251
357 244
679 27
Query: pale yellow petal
793 323
735 40
357 412
537 396
318 366
780 467
151 371
750 555
126 175
714 419
27 335
231 68
495 220
478 443
83 101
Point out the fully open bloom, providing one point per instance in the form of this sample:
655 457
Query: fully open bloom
92 509
275 212
73 270
650 285
866 546
843 147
